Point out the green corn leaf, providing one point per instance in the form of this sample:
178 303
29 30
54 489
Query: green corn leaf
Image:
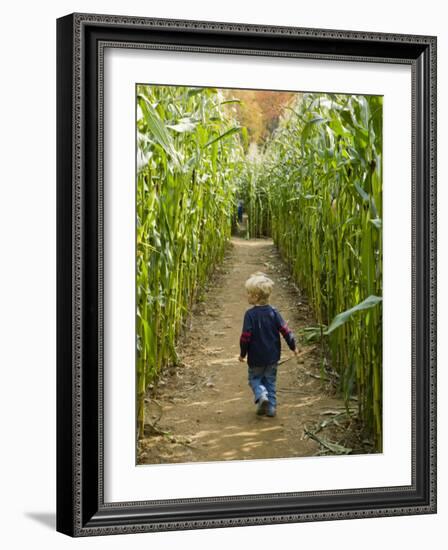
230 101
224 135
309 126
343 317
194 91
158 128
365 196
183 126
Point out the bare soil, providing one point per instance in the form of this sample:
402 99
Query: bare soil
202 410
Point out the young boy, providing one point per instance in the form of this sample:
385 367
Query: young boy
260 341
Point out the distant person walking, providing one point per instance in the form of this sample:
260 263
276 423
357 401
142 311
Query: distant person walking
240 211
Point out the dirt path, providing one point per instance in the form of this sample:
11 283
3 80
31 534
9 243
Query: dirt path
203 410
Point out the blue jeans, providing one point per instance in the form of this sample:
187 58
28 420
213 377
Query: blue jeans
262 380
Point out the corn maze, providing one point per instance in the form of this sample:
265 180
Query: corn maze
315 188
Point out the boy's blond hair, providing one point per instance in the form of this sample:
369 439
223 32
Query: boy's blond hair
259 287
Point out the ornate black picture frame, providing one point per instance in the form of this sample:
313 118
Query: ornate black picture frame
81 509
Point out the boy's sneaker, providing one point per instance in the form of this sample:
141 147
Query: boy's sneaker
262 405
271 411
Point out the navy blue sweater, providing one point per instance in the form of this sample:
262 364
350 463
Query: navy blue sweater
260 338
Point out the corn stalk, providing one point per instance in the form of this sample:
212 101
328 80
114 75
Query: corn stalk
188 153
321 179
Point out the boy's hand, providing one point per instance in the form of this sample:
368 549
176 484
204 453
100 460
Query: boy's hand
299 356
241 359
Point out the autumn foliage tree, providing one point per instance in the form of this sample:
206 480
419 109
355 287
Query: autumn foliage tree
258 110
